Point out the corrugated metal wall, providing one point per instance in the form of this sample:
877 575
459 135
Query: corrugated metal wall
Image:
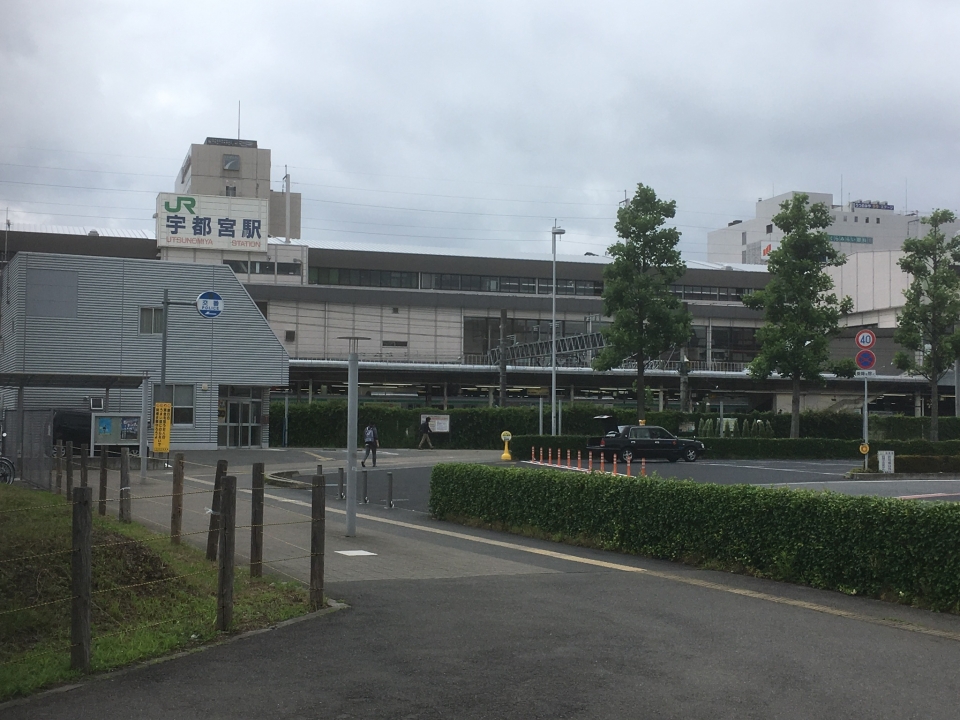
237 348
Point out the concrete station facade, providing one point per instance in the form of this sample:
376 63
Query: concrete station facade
433 317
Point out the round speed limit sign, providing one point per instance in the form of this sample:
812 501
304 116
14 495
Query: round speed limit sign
866 339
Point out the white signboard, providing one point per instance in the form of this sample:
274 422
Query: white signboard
885 461
438 423
209 222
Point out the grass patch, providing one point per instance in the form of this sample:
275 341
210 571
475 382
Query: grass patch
172 607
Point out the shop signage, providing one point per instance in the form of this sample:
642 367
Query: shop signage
211 222
115 429
871 205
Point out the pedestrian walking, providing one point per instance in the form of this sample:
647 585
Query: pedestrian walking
425 434
371 441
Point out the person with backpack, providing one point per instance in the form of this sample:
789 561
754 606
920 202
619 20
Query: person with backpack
425 434
371 441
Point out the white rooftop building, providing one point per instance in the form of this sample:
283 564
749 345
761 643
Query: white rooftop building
859 226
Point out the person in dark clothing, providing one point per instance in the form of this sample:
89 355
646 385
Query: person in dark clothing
425 433
371 441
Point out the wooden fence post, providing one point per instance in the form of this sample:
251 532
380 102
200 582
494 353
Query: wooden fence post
125 485
256 522
102 506
176 509
84 478
81 579
318 521
213 533
59 466
69 463
227 531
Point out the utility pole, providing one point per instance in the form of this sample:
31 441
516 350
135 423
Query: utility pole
286 192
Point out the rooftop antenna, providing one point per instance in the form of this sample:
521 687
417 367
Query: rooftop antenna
238 119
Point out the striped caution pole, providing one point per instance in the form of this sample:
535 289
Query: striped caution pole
549 456
603 458
568 459
541 455
614 465
590 461
579 464
628 467
643 467
533 454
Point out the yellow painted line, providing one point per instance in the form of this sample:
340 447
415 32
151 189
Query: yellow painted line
672 577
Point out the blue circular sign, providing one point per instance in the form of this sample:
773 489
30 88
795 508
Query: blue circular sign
209 304
866 359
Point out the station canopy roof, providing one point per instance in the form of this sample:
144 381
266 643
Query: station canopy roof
69 380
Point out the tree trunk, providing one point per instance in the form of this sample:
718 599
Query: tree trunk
641 390
934 410
795 409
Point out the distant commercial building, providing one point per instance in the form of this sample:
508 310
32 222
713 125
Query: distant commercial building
858 227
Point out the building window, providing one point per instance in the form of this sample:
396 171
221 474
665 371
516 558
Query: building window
866 219
844 218
261 306
182 402
263 268
289 268
230 191
743 238
769 229
855 218
395 311
151 321
239 267
395 343
290 336
878 221
231 162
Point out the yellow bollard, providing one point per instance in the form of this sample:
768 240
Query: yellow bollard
506 437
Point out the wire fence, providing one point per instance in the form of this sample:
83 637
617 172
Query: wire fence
114 490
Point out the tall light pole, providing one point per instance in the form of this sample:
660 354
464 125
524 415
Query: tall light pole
352 408
553 331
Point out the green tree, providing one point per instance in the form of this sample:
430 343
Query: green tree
648 319
801 314
928 324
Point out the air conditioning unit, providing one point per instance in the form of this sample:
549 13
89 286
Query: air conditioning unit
96 403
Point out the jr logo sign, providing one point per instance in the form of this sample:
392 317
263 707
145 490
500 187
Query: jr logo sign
188 204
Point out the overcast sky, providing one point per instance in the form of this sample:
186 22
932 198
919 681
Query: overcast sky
482 121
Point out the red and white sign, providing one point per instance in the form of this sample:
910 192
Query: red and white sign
866 339
865 359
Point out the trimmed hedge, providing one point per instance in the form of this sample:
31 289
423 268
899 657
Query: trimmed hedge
922 463
874 546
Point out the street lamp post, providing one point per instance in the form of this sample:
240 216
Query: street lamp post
352 408
553 331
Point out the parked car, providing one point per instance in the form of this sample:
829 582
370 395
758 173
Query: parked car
642 441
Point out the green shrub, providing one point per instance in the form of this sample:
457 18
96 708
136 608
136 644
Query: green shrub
880 547
922 463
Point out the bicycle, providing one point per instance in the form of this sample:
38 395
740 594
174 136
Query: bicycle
8 470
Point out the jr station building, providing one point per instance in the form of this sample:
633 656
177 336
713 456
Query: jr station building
438 322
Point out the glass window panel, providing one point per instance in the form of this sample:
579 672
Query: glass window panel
255 413
450 282
222 435
509 285
544 286
528 285
146 321
490 284
233 416
566 287
183 395
234 436
244 412
289 268
255 436
470 282
183 416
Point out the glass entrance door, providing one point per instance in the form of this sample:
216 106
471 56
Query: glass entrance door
243 423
